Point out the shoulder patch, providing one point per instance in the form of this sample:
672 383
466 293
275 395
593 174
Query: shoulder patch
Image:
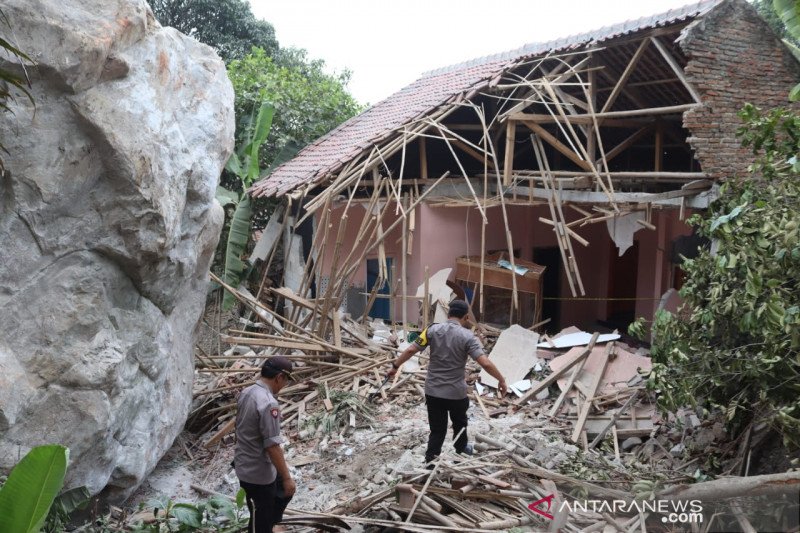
274 412
422 340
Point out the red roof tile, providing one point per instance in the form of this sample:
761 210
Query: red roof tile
332 151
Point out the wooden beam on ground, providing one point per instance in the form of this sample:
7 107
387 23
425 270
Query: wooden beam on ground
595 385
549 380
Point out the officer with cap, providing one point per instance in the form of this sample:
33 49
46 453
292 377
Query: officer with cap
445 386
258 460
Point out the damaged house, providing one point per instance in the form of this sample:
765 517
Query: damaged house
573 163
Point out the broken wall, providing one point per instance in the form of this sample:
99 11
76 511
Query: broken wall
734 58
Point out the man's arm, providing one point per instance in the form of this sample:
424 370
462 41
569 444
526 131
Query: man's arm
275 454
405 356
494 372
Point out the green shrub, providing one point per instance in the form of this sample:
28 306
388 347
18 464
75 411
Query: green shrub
735 344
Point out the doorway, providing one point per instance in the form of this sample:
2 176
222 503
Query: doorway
550 257
381 308
622 274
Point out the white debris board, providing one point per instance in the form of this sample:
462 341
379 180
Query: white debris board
577 339
514 354
440 294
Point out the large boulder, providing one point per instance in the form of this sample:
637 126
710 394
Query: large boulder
108 224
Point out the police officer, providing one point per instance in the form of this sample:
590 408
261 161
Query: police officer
445 386
258 460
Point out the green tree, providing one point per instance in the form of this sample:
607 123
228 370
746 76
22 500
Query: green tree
308 101
789 13
244 165
11 80
228 26
735 344
768 13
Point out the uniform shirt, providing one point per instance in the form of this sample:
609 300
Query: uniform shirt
450 345
258 426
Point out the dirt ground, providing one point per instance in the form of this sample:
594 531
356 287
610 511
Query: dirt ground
355 463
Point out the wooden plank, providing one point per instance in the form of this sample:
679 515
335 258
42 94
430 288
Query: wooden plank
508 162
423 159
666 110
567 388
592 392
626 74
337 329
558 145
628 142
229 426
673 64
549 380
620 197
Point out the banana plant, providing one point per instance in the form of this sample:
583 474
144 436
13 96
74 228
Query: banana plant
789 12
31 488
244 163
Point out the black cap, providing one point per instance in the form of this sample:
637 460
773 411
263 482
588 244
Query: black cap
275 365
458 308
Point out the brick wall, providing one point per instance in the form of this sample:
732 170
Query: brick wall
734 58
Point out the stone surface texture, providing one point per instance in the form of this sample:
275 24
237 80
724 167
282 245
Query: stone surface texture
108 224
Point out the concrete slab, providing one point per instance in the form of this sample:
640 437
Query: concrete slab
514 354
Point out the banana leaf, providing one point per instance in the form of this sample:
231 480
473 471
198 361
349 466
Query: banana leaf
71 500
226 197
260 133
789 12
33 484
238 236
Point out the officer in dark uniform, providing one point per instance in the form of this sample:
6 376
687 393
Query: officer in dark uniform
445 386
258 460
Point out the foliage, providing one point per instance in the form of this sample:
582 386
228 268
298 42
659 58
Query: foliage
32 485
735 344
789 13
244 164
767 12
10 80
215 514
64 505
228 26
308 102
344 403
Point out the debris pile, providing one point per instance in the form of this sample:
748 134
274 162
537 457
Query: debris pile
577 425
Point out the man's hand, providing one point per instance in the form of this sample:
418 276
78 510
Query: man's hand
392 371
289 487
502 388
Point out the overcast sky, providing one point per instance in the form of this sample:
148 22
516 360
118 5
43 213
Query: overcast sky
389 44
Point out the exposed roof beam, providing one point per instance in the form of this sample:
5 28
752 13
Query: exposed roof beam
550 139
626 74
627 143
522 117
673 64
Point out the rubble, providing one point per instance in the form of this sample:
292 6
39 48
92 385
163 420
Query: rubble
359 460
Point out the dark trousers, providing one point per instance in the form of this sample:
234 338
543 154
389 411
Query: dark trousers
438 411
266 504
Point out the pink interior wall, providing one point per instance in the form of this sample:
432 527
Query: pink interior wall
445 233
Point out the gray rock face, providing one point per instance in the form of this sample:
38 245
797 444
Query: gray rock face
108 224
